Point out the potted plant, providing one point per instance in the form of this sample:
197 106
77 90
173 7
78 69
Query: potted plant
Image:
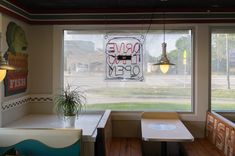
69 104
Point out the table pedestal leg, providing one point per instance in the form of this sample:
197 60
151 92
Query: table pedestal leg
163 148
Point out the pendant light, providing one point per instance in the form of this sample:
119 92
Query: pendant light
4 66
164 62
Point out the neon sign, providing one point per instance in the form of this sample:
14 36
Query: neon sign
124 57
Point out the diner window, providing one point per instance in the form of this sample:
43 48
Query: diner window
84 66
223 69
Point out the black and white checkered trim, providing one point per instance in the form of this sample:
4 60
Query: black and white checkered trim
15 103
25 99
46 98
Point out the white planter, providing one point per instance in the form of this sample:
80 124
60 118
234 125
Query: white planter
69 121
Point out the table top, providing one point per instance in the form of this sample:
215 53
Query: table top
86 122
170 130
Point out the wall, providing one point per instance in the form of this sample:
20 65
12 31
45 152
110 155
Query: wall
0 83
12 107
40 61
40 66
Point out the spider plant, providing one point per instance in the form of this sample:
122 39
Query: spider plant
70 102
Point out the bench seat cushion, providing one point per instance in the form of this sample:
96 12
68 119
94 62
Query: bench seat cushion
41 142
36 148
200 147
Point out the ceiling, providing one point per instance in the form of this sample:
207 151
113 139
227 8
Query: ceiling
59 6
120 11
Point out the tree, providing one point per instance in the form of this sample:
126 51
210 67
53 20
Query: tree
177 55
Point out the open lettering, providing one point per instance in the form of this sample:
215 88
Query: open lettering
133 71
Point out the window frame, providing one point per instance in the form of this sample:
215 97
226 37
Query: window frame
103 29
220 29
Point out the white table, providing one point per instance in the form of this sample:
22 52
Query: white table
87 122
165 130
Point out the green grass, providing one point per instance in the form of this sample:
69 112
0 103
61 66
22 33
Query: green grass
130 92
223 93
126 92
225 106
140 106
157 92
163 106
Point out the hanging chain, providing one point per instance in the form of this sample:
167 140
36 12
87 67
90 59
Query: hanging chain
164 27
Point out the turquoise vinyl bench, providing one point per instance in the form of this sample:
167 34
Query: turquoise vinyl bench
41 142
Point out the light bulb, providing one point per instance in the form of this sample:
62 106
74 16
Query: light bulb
2 74
164 68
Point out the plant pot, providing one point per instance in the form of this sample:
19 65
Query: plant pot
69 121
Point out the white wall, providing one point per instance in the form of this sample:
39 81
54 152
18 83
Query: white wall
40 59
40 66
201 89
16 112
0 82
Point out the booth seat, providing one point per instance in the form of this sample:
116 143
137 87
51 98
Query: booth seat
107 145
219 139
41 142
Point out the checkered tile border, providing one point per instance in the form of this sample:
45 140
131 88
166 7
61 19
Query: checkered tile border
41 98
25 99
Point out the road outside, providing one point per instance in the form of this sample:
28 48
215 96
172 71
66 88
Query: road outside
158 92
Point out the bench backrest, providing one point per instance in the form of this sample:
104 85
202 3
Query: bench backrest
221 133
104 134
41 142
160 115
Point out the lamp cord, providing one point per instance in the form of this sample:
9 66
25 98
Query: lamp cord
164 27
151 19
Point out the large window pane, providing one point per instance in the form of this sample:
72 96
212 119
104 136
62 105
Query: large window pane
84 65
223 70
